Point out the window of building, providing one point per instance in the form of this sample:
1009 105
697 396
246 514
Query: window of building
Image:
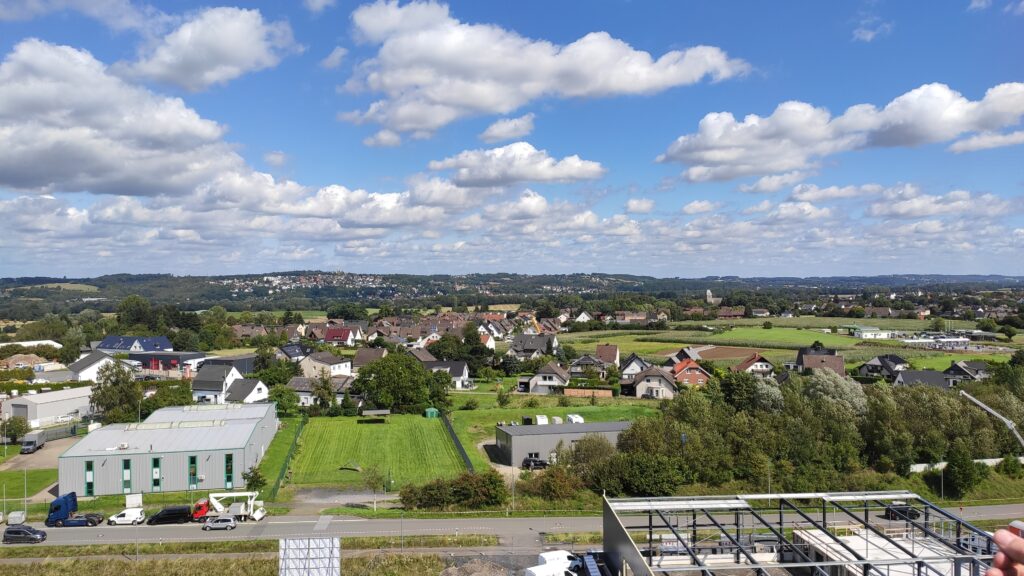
533 455
126 475
89 486
229 471
156 475
193 473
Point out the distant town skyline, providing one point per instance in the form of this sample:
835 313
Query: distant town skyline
668 139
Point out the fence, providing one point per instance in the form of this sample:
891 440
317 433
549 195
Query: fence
287 459
458 444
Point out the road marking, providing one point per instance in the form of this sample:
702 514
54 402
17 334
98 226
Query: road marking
322 523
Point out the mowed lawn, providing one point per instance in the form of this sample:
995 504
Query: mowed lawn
942 362
38 480
783 336
411 448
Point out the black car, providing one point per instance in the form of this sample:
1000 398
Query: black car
534 464
900 511
171 515
23 534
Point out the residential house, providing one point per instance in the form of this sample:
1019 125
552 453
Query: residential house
338 336
304 388
530 346
880 312
366 355
967 370
886 366
687 353
247 391
581 365
293 352
760 313
210 386
325 363
630 367
125 344
247 331
690 373
550 379
608 353
932 378
314 330
422 354
710 299
818 356
488 341
655 382
583 317
87 368
627 317
457 369
757 365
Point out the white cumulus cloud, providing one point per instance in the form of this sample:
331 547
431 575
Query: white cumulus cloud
333 60
699 207
383 139
639 205
317 6
913 204
214 47
516 162
275 158
987 140
433 69
508 129
774 182
797 135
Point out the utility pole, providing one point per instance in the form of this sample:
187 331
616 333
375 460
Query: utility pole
1009 423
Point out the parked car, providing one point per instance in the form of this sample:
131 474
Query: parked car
133 516
23 534
220 523
171 515
534 464
900 511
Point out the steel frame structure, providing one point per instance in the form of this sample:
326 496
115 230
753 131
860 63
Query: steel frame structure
757 534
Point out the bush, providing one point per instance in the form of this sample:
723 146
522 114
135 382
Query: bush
555 483
767 325
532 402
1010 467
504 398
471 404
563 401
468 490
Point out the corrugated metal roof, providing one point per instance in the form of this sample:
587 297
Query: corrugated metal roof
219 435
55 396
199 412
584 428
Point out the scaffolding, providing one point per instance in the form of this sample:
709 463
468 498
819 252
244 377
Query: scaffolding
893 533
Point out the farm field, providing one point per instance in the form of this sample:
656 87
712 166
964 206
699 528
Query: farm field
628 342
410 448
307 315
781 337
231 351
67 286
823 322
475 426
942 362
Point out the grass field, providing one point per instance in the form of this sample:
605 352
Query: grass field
825 322
307 315
38 480
274 459
410 448
377 565
628 342
474 426
942 362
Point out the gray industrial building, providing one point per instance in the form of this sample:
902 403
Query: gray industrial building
49 408
202 447
516 443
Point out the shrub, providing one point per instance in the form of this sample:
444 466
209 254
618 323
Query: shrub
563 401
504 398
532 402
555 483
471 404
767 325
1010 467
468 490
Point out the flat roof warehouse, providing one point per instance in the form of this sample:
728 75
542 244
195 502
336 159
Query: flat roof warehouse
177 429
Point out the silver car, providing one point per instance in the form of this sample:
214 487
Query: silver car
220 523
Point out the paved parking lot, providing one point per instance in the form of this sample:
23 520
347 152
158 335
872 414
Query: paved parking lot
43 458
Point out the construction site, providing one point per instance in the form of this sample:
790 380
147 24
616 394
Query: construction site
812 534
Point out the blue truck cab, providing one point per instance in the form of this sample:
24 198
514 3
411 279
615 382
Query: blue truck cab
63 512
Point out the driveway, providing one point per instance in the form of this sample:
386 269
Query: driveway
46 457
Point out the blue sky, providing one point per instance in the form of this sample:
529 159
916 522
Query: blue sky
662 138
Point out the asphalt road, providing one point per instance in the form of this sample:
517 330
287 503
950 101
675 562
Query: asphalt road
513 532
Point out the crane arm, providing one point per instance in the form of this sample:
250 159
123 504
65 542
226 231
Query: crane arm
1009 423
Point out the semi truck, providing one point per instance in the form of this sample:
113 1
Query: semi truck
64 512
33 441
242 505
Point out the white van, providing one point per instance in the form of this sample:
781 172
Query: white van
574 419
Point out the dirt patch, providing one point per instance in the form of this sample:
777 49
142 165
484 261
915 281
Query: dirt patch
727 352
510 473
475 568
45 457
